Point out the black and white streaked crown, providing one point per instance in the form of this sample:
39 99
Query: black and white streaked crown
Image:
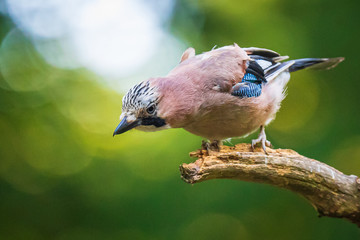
140 95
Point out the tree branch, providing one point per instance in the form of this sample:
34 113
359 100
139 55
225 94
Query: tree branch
331 192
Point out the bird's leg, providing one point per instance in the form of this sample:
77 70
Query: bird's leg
211 146
261 139
215 145
205 147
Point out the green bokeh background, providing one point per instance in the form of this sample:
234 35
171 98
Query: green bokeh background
62 175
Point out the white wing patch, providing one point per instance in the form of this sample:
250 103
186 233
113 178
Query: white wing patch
282 68
263 63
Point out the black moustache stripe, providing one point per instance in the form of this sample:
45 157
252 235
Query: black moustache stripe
156 121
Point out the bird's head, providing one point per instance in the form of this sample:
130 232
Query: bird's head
140 110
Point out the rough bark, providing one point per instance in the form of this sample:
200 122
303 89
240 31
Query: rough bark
331 192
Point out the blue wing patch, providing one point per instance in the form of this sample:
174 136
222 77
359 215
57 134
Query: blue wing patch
251 83
248 77
246 90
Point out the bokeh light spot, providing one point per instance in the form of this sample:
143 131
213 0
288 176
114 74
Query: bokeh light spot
89 104
51 150
346 156
111 38
20 65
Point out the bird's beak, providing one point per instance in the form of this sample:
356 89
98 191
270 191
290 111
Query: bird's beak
124 126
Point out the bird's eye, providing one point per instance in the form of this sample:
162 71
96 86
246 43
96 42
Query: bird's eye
150 109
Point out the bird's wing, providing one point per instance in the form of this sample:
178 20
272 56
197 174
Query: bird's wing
246 90
219 69
277 69
264 66
261 52
270 62
251 83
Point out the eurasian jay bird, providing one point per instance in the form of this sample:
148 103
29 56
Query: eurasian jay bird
224 93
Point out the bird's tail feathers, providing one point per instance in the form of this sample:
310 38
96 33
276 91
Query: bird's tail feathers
315 63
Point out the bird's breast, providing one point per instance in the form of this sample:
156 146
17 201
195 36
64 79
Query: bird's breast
224 116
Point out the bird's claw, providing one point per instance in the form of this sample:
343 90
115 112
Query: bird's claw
211 146
204 145
261 139
264 143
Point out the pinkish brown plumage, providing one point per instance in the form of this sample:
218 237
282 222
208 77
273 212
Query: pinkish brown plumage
208 95
184 91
